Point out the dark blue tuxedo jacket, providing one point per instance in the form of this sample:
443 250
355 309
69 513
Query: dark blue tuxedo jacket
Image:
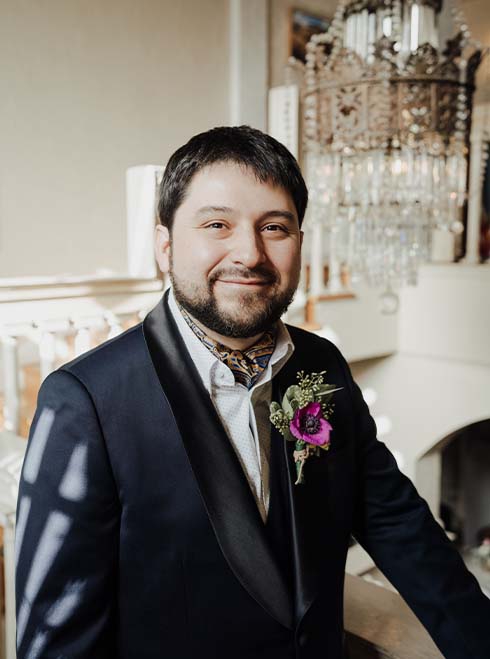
138 536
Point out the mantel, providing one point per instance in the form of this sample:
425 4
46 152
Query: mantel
25 289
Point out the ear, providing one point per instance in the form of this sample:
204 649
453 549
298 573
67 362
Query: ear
301 236
162 248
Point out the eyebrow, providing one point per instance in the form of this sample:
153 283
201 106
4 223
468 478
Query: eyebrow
279 213
209 210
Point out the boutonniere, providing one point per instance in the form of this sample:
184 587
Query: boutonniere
303 417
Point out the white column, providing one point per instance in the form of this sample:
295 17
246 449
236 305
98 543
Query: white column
474 203
141 205
11 383
82 340
248 70
47 354
114 325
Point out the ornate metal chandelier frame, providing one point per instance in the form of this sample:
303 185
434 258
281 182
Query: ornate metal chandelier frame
349 102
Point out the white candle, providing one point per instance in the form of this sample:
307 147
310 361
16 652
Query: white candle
414 28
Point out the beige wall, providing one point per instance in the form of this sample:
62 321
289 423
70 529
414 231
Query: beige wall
88 89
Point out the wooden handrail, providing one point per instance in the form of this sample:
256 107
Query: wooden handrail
380 625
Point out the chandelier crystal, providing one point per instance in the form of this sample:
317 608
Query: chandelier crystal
385 124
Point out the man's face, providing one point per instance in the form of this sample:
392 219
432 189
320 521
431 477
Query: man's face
234 251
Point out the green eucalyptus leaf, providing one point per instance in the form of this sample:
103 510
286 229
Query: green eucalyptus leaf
275 407
327 389
292 397
326 392
288 436
287 407
292 393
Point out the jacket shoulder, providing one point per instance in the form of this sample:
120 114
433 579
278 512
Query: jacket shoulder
111 359
316 353
304 338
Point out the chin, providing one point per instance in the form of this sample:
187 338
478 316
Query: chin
241 305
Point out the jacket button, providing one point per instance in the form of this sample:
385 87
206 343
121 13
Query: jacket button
303 639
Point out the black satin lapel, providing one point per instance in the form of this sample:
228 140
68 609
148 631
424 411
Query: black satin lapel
303 511
228 499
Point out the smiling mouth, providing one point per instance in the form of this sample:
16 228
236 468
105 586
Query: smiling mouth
246 282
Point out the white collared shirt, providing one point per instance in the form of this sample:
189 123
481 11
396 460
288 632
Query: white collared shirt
244 413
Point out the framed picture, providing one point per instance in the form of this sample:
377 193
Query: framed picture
303 25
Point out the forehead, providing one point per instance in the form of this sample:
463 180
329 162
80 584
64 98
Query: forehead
235 186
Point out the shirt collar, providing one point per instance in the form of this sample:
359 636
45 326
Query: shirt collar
215 373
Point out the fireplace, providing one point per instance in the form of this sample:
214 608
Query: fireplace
465 496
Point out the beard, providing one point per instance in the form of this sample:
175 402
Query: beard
254 313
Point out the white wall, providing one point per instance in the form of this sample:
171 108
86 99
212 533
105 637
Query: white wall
88 89
448 315
423 399
439 380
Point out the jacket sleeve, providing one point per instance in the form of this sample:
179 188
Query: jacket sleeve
395 526
67 530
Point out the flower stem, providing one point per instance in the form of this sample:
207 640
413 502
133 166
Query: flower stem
299 480
299 459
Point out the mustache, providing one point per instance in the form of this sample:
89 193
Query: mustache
263 274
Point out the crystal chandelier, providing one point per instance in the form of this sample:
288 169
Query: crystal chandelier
385 126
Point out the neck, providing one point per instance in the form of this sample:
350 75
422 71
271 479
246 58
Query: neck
233 343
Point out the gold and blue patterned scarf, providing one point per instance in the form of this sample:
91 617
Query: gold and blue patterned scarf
246 365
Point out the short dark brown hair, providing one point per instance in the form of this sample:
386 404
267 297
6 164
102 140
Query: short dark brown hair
267 158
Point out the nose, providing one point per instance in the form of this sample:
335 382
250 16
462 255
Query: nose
248 249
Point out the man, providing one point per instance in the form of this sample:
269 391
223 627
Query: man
158 513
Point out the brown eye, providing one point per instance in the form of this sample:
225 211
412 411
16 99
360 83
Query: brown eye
274 228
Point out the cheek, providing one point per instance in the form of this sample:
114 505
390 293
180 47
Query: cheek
196 259
287 262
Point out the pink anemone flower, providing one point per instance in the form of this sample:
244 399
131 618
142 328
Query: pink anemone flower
309 425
